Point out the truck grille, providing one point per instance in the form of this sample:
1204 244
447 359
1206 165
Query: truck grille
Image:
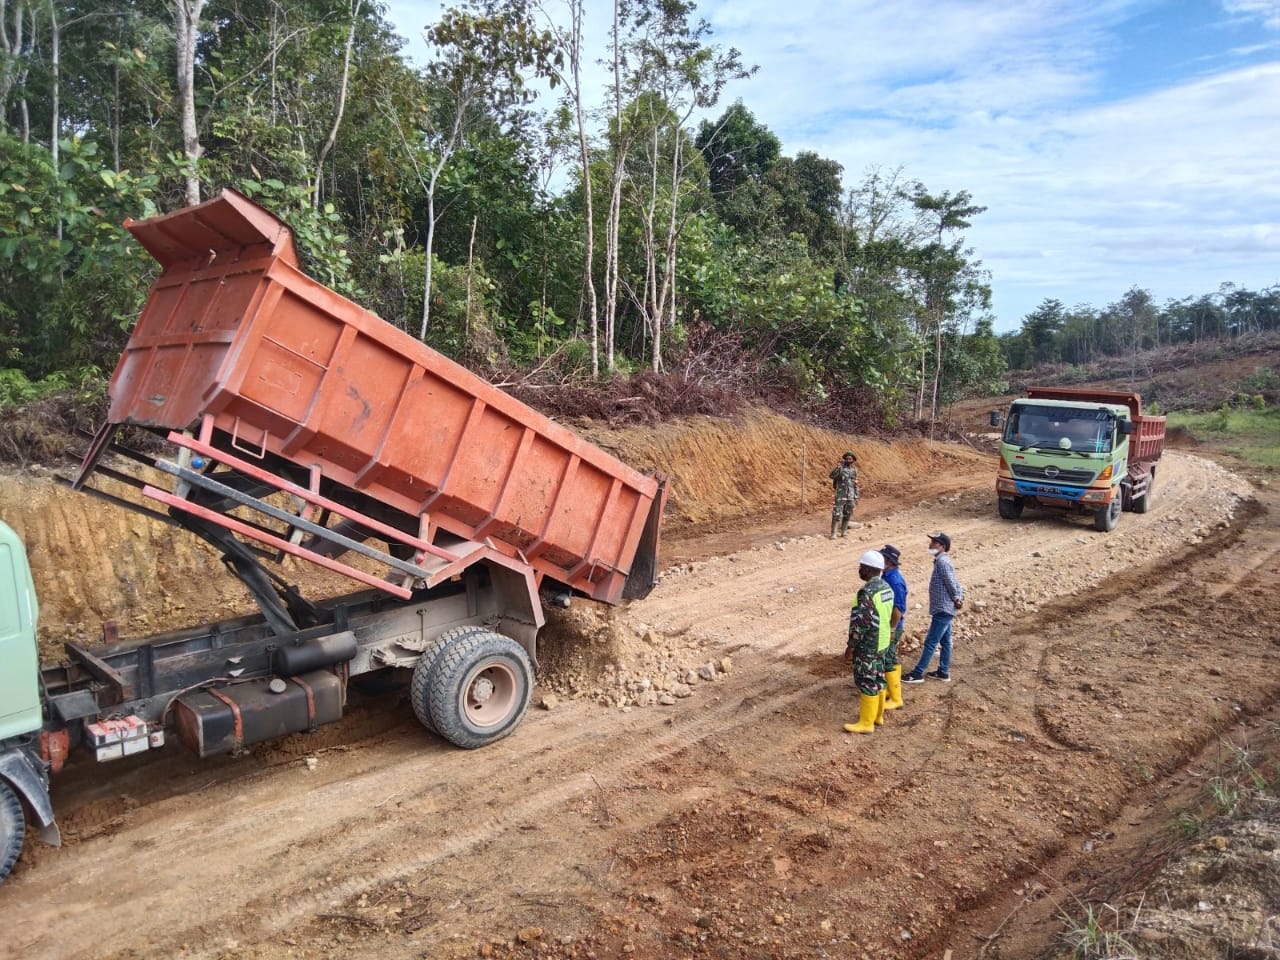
1053 474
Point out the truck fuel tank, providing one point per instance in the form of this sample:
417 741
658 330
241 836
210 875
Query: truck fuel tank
221 719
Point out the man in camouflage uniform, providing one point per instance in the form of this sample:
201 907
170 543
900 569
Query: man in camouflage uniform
844 479
869 636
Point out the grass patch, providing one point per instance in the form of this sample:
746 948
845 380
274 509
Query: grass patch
1243 785
1249 433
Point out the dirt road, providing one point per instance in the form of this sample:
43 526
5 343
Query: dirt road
739 821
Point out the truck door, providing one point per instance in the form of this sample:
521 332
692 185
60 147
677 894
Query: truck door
19 654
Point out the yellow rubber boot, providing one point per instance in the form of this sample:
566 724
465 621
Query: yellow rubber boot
867 709
880 697
894 679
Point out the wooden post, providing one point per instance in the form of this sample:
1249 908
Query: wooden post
803 464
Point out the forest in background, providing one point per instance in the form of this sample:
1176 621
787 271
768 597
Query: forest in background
654 233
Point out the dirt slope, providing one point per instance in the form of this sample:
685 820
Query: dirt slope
740 821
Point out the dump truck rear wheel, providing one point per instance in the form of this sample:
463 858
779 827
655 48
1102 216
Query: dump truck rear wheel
425 667
13 829
1143 503
480 690
1105 519
1009 509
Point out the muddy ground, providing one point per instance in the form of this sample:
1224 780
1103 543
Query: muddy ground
1096 678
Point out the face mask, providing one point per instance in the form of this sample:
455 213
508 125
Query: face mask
934 551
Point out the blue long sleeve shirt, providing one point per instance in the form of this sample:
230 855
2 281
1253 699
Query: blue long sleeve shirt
898 584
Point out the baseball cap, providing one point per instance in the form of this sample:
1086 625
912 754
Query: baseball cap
891 554
941 538
872 559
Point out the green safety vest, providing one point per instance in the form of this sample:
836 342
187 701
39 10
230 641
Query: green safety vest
882 600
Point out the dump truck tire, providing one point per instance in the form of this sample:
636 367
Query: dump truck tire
480 689
422 671
1143 503
1105 520
13 829
1009 509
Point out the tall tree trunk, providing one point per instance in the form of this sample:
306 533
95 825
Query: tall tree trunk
937 370
584 156
115 112
13 72
186 19
8 50
471 258
616 175
669 249
341 105
55 120
445 154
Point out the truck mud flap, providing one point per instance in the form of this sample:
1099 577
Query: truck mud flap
30 779
221 719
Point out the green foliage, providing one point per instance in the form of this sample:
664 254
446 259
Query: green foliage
84 387
71 278
738 151
319 234
1263 381
786 305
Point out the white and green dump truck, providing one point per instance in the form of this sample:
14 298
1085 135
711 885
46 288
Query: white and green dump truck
1080 451
295 423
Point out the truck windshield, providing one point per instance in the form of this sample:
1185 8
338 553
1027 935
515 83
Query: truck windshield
1060 428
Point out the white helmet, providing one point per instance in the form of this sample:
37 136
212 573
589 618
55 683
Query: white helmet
872 558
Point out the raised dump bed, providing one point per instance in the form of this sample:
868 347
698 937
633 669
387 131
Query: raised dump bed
254 359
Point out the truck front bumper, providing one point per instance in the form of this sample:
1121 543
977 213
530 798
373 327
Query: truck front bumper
1054 494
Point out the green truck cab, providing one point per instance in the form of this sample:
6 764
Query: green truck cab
24 777
1079 451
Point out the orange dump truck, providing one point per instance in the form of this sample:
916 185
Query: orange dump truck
298 424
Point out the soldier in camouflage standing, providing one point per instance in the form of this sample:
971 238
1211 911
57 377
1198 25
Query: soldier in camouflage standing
844 479
869 635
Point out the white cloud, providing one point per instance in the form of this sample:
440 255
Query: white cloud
1173 190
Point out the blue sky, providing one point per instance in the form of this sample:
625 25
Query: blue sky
1115 143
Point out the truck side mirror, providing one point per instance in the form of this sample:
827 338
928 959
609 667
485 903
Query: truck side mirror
995 418
1124 427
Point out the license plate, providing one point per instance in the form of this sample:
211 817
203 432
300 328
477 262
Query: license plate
1044 490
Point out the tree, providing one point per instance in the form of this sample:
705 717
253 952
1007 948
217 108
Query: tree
950 282
569 45
339 107
1042 327
739 153
186 21
809 191
682 73
484 46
